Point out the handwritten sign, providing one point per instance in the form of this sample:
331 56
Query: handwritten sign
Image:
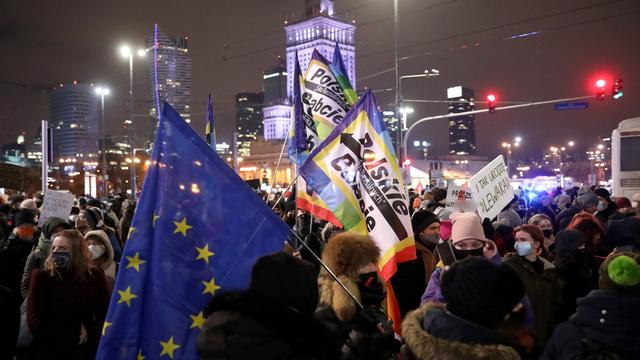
56 203
460 198
491 189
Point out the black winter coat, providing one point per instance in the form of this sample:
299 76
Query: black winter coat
242 327
604 317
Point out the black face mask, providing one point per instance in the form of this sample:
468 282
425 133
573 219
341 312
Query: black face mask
371 289
461 254
547 233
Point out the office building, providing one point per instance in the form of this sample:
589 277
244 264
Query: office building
248 120
462 129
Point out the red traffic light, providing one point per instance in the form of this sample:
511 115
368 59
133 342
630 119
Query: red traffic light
601 83
491 97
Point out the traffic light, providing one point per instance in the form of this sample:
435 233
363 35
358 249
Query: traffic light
491 103
617 88
600 84
406 163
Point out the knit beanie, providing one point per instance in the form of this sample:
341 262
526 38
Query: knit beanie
422 219
587 200
562 201
29 204
51 223
621 272
94 202
286 280
466 226
623 202
602 192
24 217
510 218
480 291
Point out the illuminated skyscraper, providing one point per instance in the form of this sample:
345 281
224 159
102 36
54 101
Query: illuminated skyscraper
74 118
277 110
170 74
248 119
462 129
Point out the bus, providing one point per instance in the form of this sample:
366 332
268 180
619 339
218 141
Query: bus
625 158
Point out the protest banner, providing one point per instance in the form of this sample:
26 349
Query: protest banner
491 189
56 203
460 198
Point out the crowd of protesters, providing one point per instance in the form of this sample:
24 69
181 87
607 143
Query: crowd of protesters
556 275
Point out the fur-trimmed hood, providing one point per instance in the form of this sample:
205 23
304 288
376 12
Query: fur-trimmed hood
334 296
428 347
346 253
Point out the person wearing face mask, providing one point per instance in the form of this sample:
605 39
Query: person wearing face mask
68 301
540 278
546 225
575 268
412 277
606 207
585 201
14 250
101 253
353 260
92 219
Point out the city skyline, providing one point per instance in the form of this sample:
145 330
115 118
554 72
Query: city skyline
548 51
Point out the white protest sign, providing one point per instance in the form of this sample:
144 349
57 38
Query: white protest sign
460 198
491 189
56 203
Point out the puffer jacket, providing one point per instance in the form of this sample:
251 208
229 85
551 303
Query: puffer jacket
603 317
431 333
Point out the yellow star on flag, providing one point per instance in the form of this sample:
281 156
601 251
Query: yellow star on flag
210 286
168 347
105 326
182 227
140 357
126 296
204 253
135 261
155 218
197 320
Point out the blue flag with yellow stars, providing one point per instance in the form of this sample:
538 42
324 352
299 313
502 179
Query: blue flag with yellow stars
198 229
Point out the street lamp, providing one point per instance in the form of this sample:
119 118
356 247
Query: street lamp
404 111
508 146
102 92
127 52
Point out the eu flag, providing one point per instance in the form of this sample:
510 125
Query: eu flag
198 229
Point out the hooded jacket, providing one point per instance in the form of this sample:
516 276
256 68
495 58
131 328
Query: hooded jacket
37 257
108 266
431 333
605 317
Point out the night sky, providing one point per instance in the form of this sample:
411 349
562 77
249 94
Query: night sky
50 42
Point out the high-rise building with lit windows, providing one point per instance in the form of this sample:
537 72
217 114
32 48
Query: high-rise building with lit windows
74 118
248 120
462 129
277 107
170 73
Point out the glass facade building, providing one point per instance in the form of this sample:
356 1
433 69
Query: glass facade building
248 120
462 129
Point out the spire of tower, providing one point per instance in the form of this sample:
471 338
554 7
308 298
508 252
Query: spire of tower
315 8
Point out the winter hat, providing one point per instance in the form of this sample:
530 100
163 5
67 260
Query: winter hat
623 202
16 199
602 192
286 280
569 240
94 217
480 291
94 202
29 204
587 199
636 197
422 219
466 226
510 218
82 201
439 194
24 217
51 223
621 272
346 253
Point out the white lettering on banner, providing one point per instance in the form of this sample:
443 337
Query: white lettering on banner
56 203
491 188
460 198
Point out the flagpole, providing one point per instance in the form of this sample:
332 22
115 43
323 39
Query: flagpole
326 267
275 174
285 190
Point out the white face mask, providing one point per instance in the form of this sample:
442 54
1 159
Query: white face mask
96 251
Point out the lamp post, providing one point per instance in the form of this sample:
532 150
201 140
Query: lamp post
126 52
508 146
102 92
